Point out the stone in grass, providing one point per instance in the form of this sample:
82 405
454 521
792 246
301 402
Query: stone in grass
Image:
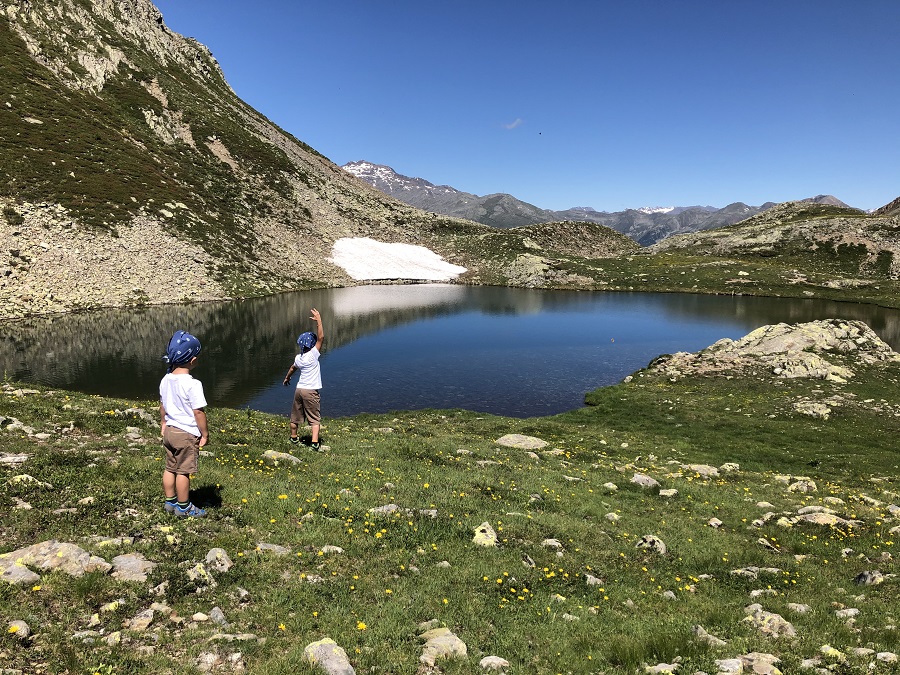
19 629
217 616
803 485
652 543
131 567
662 669
522 442
441 643
761 663
869 578
49 556
644 481
705 471
729 666
485 535
218 561
493 663
708 638
769 623
328 656
273 548
141 620
799 608
275 456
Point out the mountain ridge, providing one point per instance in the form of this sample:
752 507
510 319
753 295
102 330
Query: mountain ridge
646 225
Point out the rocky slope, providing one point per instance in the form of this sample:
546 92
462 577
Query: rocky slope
133 174
845 239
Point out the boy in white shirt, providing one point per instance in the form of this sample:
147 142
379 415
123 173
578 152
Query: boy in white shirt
306 406
183 422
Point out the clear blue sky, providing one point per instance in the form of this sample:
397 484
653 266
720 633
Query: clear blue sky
609 104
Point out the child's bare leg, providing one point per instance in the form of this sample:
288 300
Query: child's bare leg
183 488
314 428
168 482
294 429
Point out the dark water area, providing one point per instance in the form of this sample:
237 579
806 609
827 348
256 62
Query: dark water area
507 351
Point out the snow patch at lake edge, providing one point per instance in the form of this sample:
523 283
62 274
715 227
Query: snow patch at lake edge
368 259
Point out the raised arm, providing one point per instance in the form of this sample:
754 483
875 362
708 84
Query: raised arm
320 333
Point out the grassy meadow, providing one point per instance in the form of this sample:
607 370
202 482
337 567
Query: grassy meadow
591 602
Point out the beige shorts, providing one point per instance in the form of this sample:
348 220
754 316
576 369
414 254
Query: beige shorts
306 407
182 451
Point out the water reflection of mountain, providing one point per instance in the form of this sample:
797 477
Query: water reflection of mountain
249 344
757 312
246 343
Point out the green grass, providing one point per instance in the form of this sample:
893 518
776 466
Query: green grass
388 578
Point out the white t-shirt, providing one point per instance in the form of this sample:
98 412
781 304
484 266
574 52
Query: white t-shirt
310 374
181 395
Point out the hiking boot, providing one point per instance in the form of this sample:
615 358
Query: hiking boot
295 440
189 511
169 506
315 446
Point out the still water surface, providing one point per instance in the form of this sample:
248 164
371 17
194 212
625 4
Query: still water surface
514 352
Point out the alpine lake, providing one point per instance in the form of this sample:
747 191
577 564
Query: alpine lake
505 351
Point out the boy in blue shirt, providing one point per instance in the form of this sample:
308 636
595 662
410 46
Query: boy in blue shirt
307 401
183 421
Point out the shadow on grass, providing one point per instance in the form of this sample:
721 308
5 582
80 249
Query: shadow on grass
207 496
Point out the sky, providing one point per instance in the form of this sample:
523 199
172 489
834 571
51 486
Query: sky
610 104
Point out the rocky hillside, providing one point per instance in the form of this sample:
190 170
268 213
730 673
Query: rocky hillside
844 240
128 162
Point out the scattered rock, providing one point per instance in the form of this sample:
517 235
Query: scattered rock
652 543
493 663
441 643
709 639
703 470
769 623
803 485
19 629
277 457
218 561
131 567
867 578
644 481
327 655
47 556
522 442
141 621
485 535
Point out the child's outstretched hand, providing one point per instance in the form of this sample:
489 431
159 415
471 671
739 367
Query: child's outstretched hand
314 315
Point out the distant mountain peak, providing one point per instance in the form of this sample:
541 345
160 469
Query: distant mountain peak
645 225
826 199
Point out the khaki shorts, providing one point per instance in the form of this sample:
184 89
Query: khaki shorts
306 407
182 451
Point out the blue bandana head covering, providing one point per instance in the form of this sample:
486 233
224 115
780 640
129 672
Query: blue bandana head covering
182 348
307 340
